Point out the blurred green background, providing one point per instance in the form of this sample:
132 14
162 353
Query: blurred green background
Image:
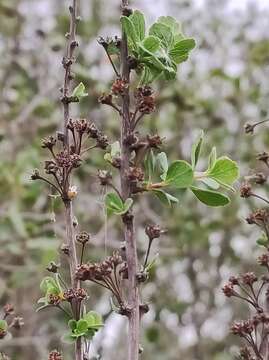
223 86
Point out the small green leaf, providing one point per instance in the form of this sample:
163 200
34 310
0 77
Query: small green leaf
138 20
79 91
82 326
179 174
263 240
115 205
225 171
211 183
162 162
171 23
129 30
3 325
68 338
115 149
72 324
94 320
127 205
209 197
196 149
150 163
212 158
48 283
165 198
113 202
181 49
151 43
163 32
42 307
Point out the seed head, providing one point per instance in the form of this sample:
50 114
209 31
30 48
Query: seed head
55 355
83 237
245 190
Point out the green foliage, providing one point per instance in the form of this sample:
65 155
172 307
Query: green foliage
87 326
179 175
49 286
114 153
159 52
209 197
263 240
224 171
79 92
196 149
3 325
221 172
115 205
165 198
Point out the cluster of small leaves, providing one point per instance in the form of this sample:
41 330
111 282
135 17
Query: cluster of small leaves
222 172
252 290
52 290
8 321
54 295
158 51
85 327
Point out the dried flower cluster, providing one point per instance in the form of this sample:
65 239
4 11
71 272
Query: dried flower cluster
108 273
249 288
64 160
252 290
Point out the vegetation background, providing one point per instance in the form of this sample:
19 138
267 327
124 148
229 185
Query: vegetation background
223 86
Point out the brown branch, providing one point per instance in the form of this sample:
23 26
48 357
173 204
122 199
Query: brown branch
68 60
128 221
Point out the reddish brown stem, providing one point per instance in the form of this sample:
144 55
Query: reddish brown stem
73 261
128 221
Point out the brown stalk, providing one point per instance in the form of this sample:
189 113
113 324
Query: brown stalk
128 219
73 260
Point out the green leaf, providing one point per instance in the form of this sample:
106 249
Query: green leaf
3 325
82 326
115 149
162 162
211 183
68 338
42 300
209 197
181 49
196 149
151 43
79 91
163 32
42 307
127 205
113 202
93 319
171 22
225 171
49 285
165 198
179 174
138 20
263 240
129 30
150 163
72 324
212 158
115 205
